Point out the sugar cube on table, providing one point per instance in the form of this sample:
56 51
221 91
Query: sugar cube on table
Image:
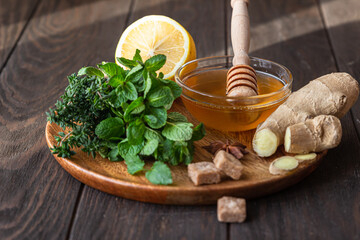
231 209
230 165
203 173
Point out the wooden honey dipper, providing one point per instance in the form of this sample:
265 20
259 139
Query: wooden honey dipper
241 78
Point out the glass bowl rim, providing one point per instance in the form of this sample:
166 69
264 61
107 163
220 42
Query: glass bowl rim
235 99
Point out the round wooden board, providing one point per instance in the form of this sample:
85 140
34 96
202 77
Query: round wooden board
113 178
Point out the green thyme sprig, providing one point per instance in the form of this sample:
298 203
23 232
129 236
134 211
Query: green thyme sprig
122 115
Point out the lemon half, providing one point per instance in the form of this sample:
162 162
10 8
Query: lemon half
157 34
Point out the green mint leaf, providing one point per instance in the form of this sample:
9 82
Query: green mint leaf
127 62
138 109
178 157
168 106
160 97
134 164
151 134
115 98
155 63
198 132
178 131
176 152
148 83
182 152
110 144
130 91
116 80
155 83
124 106
114 155
155 117
135 74
127 149
140 86
111 69
168 149
110 128
160 174
117 112
137 106
189 157
135 132
137 56
90 71
161 75
175 89
149 147
176 117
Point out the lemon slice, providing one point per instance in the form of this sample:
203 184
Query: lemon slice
156 34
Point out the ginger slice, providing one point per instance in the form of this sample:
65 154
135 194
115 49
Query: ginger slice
305 157
283 165
265 143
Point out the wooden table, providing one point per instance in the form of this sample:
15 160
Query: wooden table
43 41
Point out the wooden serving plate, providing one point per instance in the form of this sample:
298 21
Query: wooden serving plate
113 178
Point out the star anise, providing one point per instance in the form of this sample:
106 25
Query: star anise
236 149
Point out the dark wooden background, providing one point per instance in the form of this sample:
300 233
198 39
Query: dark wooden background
42 41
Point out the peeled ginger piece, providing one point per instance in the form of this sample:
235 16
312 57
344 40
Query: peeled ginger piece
283 165
305 157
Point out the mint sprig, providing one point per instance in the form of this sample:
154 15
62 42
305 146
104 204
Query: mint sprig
122 115
160 173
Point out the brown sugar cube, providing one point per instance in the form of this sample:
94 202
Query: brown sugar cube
203 173
228 164
231 209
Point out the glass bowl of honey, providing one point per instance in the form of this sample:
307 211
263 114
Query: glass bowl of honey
203 82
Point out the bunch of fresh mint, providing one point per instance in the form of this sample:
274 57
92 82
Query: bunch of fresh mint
122 115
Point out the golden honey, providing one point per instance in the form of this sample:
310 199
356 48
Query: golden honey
208 103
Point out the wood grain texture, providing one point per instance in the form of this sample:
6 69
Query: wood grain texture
342 20
291 33
113 178
14 15
204 19
119 218
37 197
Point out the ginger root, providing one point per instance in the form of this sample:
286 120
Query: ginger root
332 94
283 165
305 157
314 135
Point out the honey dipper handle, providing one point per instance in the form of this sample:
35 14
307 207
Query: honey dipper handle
240 32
